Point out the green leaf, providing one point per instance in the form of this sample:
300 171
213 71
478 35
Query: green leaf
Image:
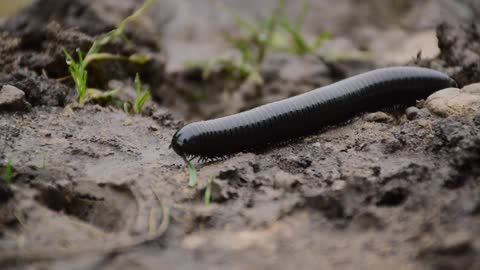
299 21
142 95
79 74
324 36
300 45
207 197
8 172
192 182
138 84
140 59
101 96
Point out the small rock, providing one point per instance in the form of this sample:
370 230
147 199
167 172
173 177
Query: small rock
298 161
452 245
285 180
414 113
339 185
473 89
153 128
12 99
379 117
220 191
331 207
476 120
392 145
472 208
453 101
368 220
127 122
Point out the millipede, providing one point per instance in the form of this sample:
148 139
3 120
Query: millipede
308 113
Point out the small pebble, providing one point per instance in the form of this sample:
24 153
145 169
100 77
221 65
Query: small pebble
379 117
153 128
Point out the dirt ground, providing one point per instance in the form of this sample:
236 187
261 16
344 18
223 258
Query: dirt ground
96 188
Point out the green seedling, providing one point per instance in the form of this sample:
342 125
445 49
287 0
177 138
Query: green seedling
43 154
207 197
8 172
298 44
252 46
142 95
78 68
275 32
193 174
289 37
79 74
228 65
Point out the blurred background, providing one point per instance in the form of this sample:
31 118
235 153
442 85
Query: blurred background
393 31
9 7
208 36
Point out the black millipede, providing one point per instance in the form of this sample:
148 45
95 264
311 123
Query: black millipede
308 113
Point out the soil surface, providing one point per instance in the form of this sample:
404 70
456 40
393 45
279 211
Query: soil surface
96 188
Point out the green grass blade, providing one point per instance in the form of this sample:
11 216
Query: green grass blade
140 101
207 197
192 182
134 16
300 20
324 36
140 59
79 74
106 38
82 87
271 27
138 84
142 95
300 45
8 172
242 23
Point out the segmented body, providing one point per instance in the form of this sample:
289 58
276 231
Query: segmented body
309 112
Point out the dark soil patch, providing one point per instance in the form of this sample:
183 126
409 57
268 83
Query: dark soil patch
459 52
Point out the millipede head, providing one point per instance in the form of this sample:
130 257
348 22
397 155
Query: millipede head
185 141
453 83
179 143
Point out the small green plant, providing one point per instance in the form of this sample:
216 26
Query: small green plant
207 197
289 35
251 46
78 68
8 172
275 32
142 95
192 172
241 71
79 73
298 44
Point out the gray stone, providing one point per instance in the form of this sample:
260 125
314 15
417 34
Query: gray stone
12 99
285 180
414 113
453 101
379 117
